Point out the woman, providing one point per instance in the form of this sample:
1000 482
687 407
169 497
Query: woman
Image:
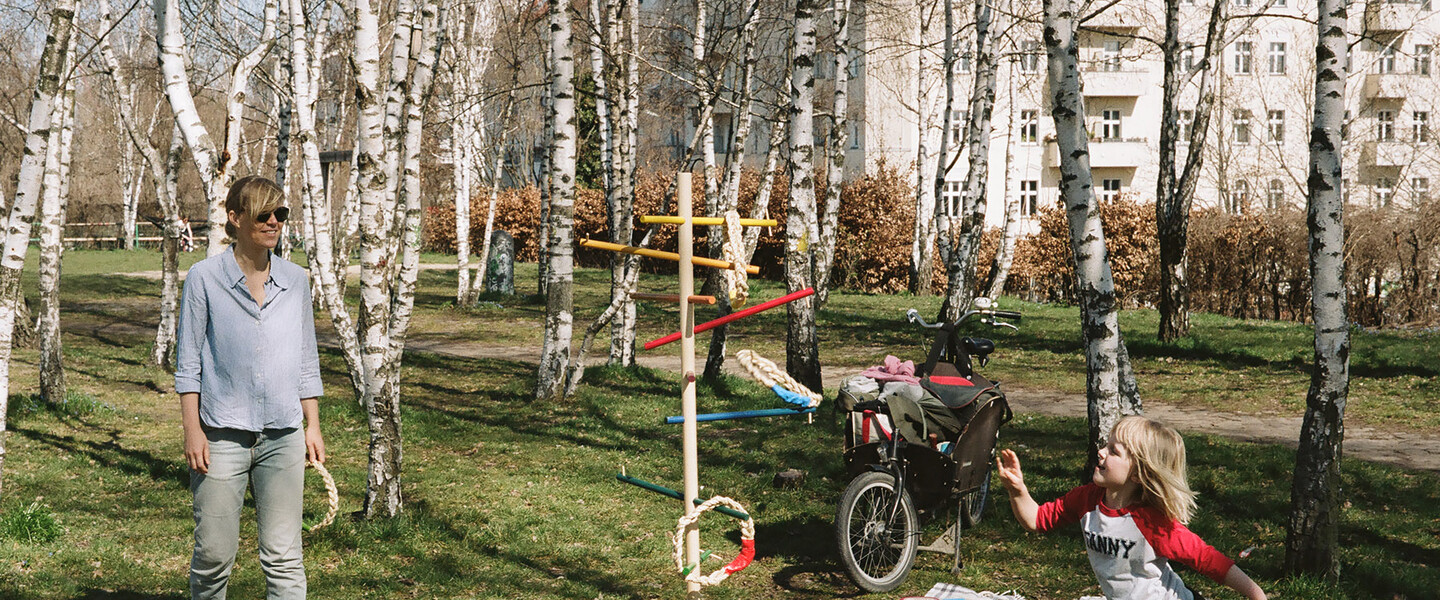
248 376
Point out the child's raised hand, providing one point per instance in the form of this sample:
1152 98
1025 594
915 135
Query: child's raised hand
1010 473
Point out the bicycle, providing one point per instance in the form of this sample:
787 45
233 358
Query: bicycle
897 483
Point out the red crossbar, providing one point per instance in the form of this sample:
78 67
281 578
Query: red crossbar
651 345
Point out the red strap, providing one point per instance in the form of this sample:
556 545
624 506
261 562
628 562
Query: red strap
747 554
951 380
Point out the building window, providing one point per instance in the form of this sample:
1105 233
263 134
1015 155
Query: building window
1110 57
854 136
1422 59
1276 198
1110 124
952 192
1280 4
1242 126
1030 197
1242 3
1385 125
1277 58
1345 127
1239 197
965 62
1030 56
1109 190
1243 52
1386 64
1420 127
1276 122
1186 123
1345 191
1419 190
957 126
1029 126
1384 191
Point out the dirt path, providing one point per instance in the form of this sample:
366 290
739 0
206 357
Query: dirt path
1408 450
1403 449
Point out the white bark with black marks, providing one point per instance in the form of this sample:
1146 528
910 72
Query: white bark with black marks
55 196
559 299
801 344
922 253
1109 383
53 64
960 267
1311 540
839 144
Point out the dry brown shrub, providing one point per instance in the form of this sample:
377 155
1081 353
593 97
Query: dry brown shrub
1044 265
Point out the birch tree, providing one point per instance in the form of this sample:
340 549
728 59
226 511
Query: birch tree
1005 253
55 195
622 36
468 65
559 299
923 239
164 176
1175 192
1315 500
801 345
213 163
53 62
1109 382
325 267
960 268
839 143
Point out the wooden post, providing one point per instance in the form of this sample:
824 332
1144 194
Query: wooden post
687 366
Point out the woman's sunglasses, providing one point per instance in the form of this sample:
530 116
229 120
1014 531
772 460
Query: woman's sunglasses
281 214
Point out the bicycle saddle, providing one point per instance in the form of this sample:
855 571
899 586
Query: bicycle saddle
980 346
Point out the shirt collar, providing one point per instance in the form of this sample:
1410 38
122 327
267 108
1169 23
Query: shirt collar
235 276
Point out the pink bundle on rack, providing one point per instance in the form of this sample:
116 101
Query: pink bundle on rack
894 369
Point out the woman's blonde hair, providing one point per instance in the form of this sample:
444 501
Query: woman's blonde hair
250 197
1158 454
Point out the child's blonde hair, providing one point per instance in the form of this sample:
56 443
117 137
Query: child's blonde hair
1159 460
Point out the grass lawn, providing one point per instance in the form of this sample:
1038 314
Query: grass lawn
507 498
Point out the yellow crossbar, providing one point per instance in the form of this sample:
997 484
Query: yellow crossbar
703 262
669 220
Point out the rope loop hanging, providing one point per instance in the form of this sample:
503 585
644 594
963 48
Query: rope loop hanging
332 496
734 247
747 543
765 371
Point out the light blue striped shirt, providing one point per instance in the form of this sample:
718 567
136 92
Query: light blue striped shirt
251 365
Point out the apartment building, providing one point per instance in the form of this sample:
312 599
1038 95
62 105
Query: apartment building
1256 155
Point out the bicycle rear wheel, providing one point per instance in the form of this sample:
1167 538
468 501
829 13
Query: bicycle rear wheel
972 506
877 540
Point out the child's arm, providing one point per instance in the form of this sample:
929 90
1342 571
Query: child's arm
1237 580
1025 509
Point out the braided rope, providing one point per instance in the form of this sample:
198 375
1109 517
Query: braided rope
331 494
766 372
747 543
734 254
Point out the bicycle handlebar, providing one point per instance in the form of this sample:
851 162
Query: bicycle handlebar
1009 314
913 316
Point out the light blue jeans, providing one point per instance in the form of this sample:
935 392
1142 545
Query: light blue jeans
272 463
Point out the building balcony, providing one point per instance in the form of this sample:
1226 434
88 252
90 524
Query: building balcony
1394 153
1118 153
1105 80
1392 86
1392 16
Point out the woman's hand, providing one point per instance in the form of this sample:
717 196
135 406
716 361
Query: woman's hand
314 444
1010 474
197 450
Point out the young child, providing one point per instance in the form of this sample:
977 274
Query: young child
1133 516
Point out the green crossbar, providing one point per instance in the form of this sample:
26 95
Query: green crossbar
664 491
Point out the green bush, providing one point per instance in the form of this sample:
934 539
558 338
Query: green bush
32 524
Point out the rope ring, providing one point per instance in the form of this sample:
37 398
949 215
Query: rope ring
747 543
331 494
735 280
765 371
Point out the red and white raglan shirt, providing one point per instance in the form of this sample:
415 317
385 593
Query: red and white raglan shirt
1130 548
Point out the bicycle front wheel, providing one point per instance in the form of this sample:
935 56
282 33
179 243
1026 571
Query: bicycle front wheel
878 532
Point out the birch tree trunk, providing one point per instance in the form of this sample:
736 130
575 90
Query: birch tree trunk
944 209
559 300
761 209
27 190
1109 383
461 161
52 230
1005 254
1175 193
1315 496
316 206
961 286
729 188
624 34
839 142
801 346
921 244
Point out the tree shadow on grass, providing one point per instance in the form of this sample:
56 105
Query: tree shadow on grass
110 454
102 594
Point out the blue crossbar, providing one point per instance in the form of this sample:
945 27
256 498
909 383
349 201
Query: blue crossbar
743 414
